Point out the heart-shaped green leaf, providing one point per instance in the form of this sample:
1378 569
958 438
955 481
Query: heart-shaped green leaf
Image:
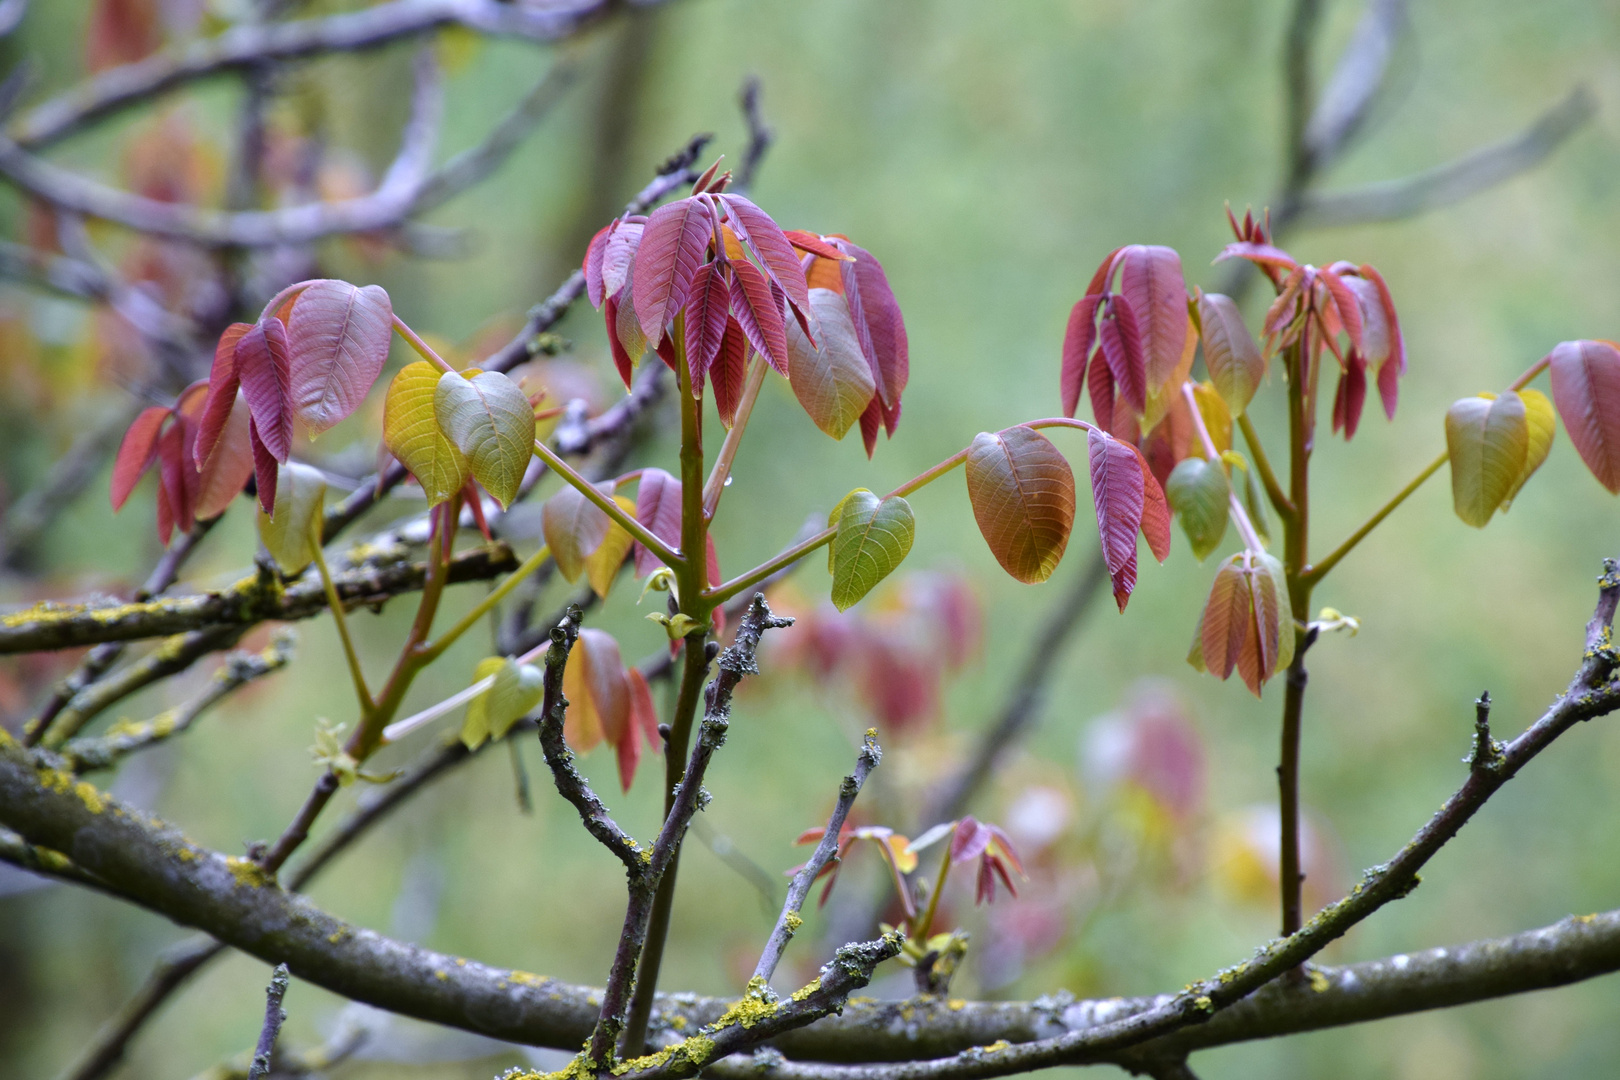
491 421
1199 493
873 538
287 533
412 434
1488 442
517 690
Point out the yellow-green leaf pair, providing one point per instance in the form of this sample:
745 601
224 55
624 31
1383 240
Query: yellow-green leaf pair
516 690
1495 444
874 535
291 532
445 426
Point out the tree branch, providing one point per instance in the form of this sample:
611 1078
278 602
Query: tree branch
274 1017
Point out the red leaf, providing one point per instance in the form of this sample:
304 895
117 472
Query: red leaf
1077 342
122 32
165 515
729 372
666 351
755 228
658 507
619 256
872 423
1105 272
262 367
643 713
592 267
222 384
136 453
1586 389
1101 384
621 358
337 342
1259 254
1151 279
177 487
1395 365
672 248
264 468
707 309
814 244
1349 397
228 467
1344 301
879 325
1122 347
1118 484
760 315
1155 513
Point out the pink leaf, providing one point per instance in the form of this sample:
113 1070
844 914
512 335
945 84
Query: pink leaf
879 326
1122 348
1077 342
658 507
671 250
338 342
760 315
1586 389
1151 279
729 372
1100 382
1155 513
222 385
592 267
620 254
707 312
1259 254
1118 489
262 367
264 468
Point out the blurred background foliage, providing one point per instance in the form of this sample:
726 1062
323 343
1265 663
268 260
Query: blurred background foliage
990 155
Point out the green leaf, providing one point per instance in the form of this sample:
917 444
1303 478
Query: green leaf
574 528
1254 501
475 727
1022 491
873 538
831 378
411 433
300 491
1488 441
491 714
1199 493
492 422
1541 422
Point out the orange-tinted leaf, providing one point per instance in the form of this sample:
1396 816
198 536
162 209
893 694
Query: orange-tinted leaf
136 453
815 245
223 381
1151 279
1155 513
598 692
1118 485
1586 389
602 565
672 248
1022 492
227 469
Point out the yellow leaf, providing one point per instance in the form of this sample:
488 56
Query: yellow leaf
411 433
1541 423
475 728
602 565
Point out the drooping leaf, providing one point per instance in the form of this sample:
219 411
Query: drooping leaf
475 726
1541 424
1100 386
879 325
814 245
1198 491
226 470
178 479
1155 513
300 491
1122 347
759 313
625 339
598 692
265 469
658 507
412 434
755 227
643 719
1488 442
592 265
1117 491
1217 420
1393 366
136 453
1151 279
1228 629
1234 360
338 341
1349 396
729 373
1022 491
223 381
708 309
873 538
262 366
619 256
1586 389
1077 341
831 378
574 528
517 690
602 565
491 421
1272 570
672 247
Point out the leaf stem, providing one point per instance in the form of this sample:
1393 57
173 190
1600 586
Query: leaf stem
423 349
1313 574
1251 540
721 473
666 554
1295 546
1257 453
333 601
926 925
429 653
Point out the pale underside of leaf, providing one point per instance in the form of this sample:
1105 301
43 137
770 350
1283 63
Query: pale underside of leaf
338 340
492 422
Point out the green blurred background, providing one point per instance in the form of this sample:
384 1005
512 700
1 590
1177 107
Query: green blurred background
989 155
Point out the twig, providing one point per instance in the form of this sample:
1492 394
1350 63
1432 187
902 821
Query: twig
1356 82
274 1017
788 922
239 669
760 136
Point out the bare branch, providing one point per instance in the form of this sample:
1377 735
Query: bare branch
788 922
274 1016
760 136
1351 90
1454 181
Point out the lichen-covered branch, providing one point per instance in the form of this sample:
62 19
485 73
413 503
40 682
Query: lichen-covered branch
274 1017
789 921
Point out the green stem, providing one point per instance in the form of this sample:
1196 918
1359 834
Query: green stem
666 554
430 653
926 925
422 348
1240 516
1262 464
367 703
721 472
1317 572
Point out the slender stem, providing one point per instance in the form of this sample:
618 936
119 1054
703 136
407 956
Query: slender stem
422 348
274 1017
926 925
1279 498
666 554
335 602
1318 571
1251 539
1295 545
429 653
721 472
